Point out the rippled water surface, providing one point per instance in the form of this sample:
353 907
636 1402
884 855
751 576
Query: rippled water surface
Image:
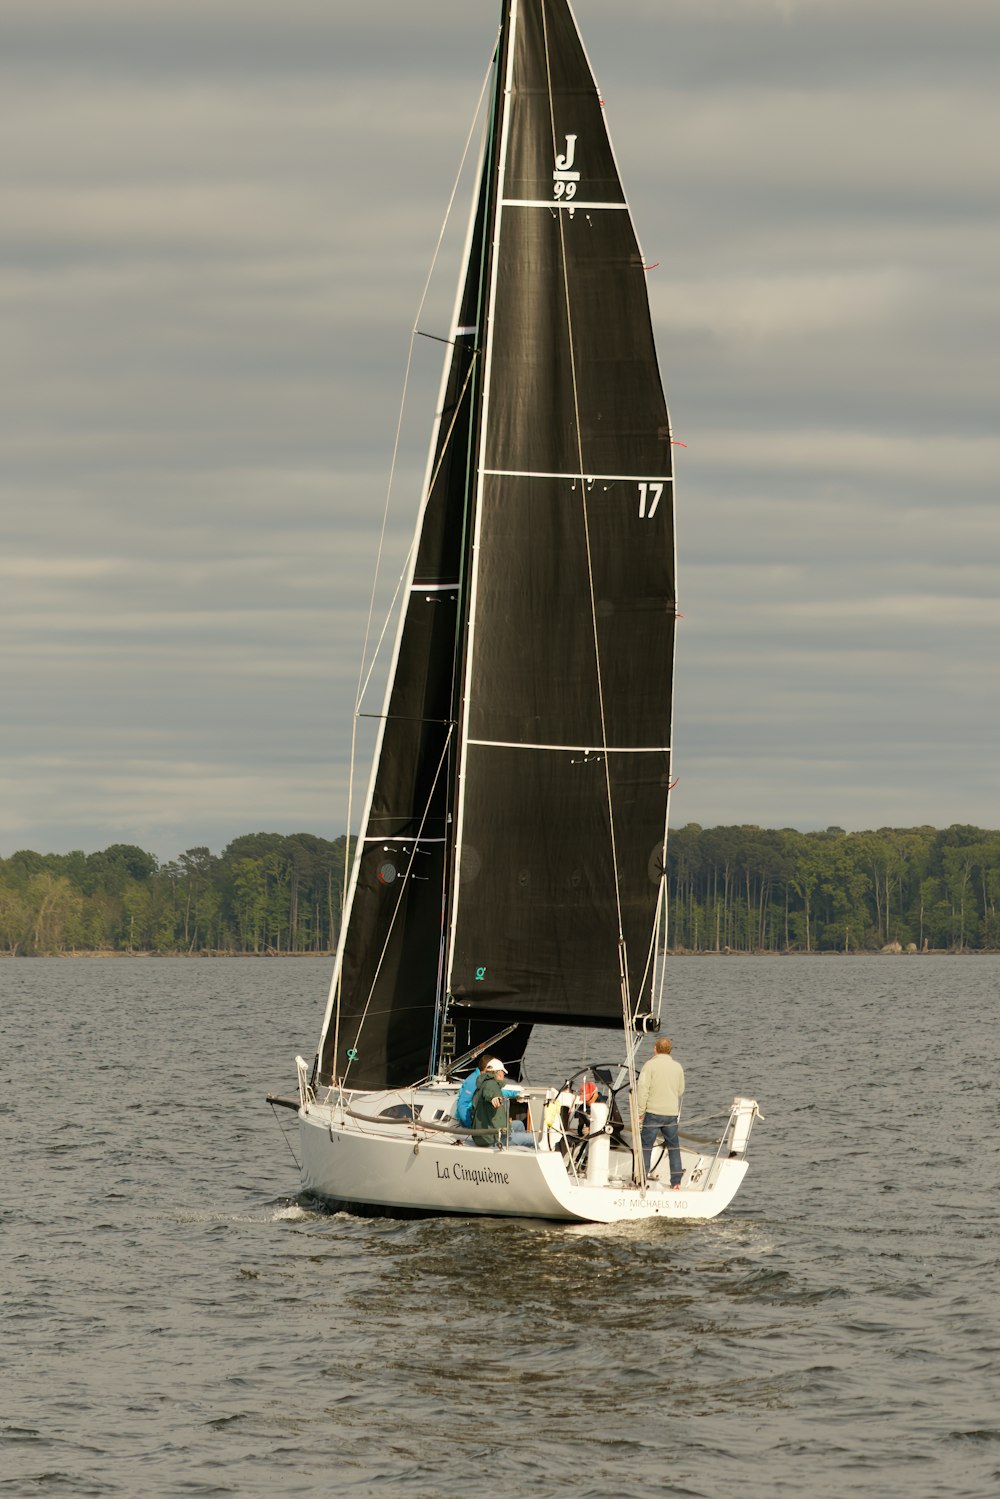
178 1322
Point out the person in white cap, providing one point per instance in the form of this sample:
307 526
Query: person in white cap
487 1103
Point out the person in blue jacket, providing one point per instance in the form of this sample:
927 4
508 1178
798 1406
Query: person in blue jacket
463 1103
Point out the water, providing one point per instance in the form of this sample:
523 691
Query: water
177 1322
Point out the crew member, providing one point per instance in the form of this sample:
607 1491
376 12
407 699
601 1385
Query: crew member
659 1094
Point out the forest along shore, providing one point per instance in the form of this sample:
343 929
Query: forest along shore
672 952
124 952
734 890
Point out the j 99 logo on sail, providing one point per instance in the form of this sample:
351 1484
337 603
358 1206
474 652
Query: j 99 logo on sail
564 179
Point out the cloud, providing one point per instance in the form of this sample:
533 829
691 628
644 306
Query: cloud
217 231
923 459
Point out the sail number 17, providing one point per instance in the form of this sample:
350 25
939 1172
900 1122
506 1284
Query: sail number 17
649 498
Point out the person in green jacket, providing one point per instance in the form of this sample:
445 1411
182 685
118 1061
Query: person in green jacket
487 1103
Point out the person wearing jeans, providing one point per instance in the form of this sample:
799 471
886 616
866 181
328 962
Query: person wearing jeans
665 1125
659 1094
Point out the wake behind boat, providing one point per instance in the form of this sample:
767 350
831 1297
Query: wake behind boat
510 870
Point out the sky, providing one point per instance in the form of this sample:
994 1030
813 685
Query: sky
218 221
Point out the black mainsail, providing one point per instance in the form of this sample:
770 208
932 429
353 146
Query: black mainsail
510 868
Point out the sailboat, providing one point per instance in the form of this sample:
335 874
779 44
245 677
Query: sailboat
510 865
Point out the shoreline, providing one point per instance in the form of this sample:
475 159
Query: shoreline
704 952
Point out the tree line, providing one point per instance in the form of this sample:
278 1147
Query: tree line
265 893
750 889
731 889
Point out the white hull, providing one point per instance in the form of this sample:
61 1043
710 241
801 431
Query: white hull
412 1166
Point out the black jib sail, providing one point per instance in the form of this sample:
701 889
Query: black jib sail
511 866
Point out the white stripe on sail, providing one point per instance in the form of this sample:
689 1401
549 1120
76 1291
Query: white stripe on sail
391 838
524 473
577 749
573 204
